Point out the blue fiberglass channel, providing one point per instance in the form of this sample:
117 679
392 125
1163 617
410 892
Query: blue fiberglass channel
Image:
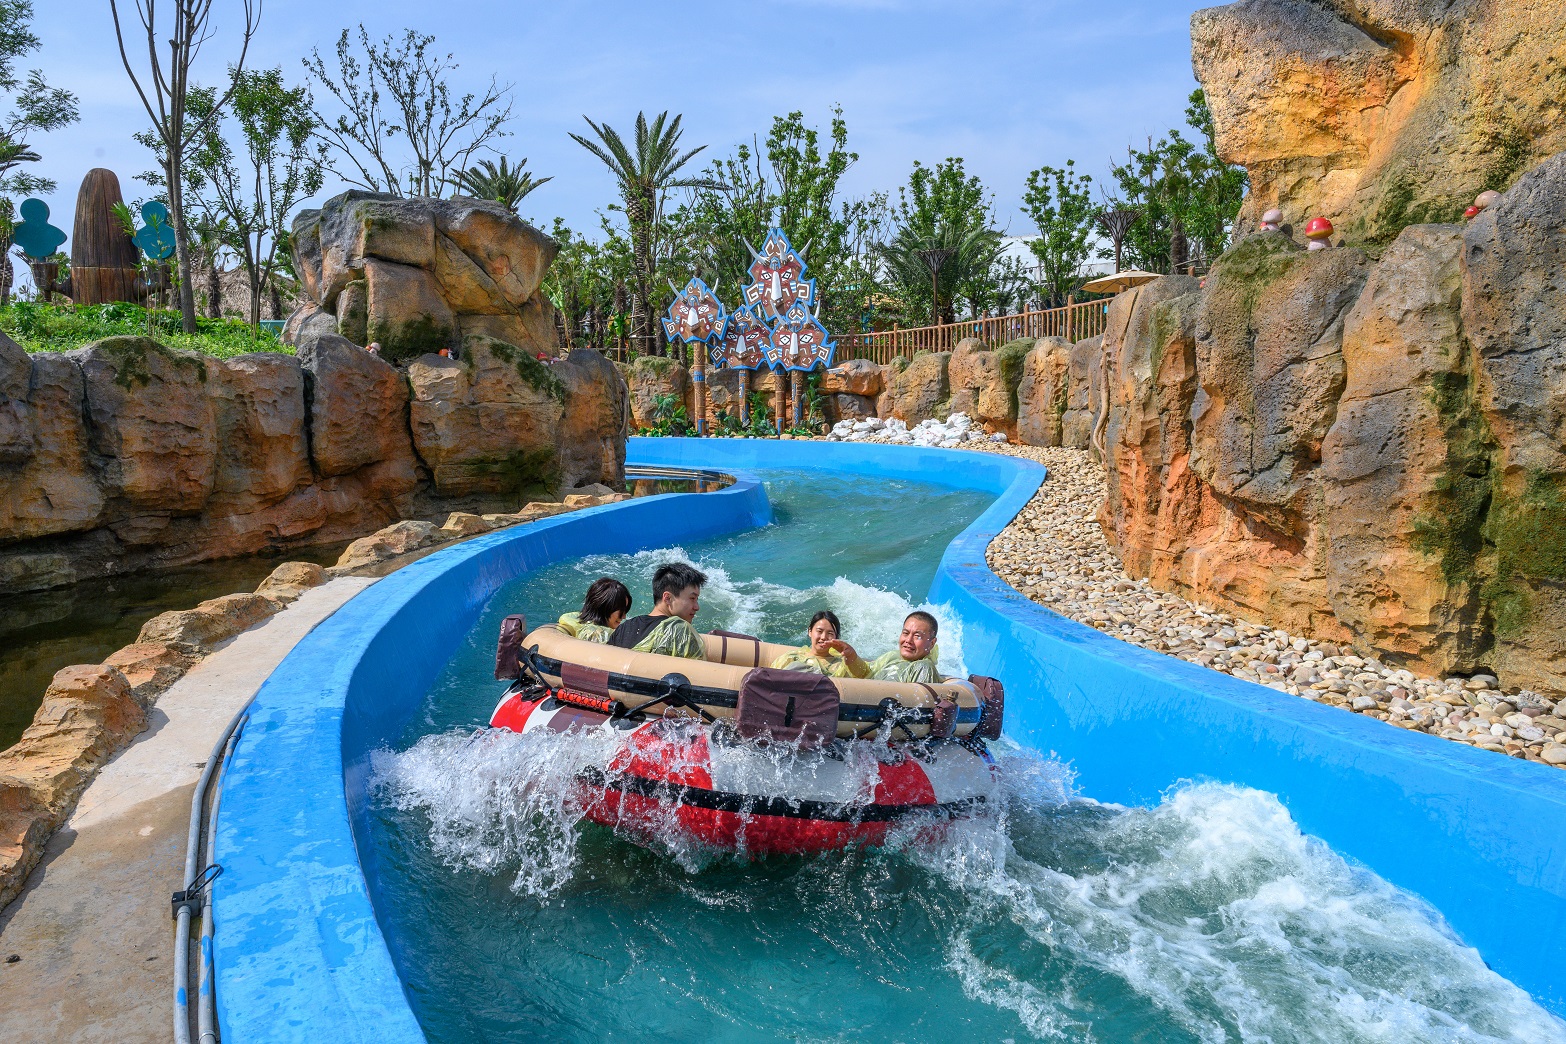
299 953
1480 836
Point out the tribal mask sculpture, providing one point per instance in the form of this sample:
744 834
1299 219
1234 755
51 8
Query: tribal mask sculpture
696 316
777 278
799 341
744 343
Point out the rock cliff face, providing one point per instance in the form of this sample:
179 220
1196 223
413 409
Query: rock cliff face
1381 113
1365 449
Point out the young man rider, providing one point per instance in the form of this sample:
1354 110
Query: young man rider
667 629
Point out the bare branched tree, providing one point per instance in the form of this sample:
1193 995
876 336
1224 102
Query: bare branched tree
398 89
167 81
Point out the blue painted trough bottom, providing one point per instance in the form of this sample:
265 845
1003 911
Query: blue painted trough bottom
1179 856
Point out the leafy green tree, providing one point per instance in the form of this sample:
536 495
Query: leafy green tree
1059 202
36 108
645 173
399 128
941 208
252 195
505 184
790 182
165 90
1186 197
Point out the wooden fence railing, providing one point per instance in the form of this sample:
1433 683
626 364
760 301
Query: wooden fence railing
1073 322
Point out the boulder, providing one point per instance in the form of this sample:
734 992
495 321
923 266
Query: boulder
198 631
399 538
853 377
1269 371
1379 115
723 395
921 391
487 423
259 407
1083 392
590 439
88 714
16 421
150 667
49 485
530 327
290 580
843 406
150 418
464 524
353 312
653 377
357 411
1514 316
984 383
1041 394
511 253
405 312
1387 464
308 321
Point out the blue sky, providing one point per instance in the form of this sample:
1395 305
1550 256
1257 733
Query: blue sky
1009 86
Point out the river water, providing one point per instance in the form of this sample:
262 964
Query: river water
1209 917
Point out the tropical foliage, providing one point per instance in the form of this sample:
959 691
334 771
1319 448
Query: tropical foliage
40 327
505 184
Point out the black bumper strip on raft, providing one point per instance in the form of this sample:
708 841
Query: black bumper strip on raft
753 805
712 697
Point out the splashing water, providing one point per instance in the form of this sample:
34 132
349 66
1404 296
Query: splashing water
1208 917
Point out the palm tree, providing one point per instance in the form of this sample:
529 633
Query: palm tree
967 254
504 184
645 176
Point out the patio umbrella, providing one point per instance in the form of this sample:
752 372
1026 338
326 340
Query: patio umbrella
1119 281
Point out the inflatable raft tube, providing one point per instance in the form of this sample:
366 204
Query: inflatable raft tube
681 777
677 685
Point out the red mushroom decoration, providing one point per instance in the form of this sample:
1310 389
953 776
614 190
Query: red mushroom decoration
1319 231
1471 213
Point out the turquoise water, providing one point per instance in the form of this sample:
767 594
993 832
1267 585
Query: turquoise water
1207 918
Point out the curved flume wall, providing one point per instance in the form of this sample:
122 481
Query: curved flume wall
299 951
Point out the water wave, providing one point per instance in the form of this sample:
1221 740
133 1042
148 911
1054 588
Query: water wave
1209 912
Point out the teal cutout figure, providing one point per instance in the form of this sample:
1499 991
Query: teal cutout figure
155 238
37 238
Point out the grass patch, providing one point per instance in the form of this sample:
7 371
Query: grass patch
40 327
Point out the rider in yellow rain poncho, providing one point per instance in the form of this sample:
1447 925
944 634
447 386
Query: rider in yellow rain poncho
667 629
826 654
604 608
915 658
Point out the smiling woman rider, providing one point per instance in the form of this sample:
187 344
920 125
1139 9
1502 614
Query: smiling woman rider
826 653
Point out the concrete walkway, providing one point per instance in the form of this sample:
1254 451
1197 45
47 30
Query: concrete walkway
92 927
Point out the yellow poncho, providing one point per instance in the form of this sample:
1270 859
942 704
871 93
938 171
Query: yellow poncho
571 623
802 659
892 667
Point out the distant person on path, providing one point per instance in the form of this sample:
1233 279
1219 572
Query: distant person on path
667 629
604 609
914 659
826 653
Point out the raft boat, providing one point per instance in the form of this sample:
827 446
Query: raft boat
739 756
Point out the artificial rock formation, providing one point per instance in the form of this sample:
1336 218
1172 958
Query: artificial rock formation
1363 449
421 275
1381 113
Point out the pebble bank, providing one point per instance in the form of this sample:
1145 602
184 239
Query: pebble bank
1055 553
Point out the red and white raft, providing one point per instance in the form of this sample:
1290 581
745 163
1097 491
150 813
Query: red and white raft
763 767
